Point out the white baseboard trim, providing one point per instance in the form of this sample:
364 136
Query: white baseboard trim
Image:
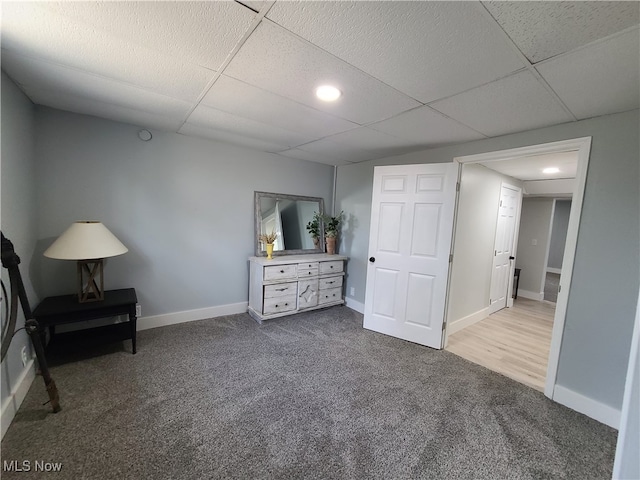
531 295
14 400
464 322
145 323
354 305
554 270
591 408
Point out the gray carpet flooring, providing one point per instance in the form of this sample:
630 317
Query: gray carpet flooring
551 283
310 396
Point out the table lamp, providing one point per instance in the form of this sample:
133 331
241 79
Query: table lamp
88 243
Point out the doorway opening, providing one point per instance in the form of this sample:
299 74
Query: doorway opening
526 335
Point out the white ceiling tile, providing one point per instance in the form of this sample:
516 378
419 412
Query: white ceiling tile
90 106
426 127
53 80
230 137
365 138
429 50
277 61
339 151
208 117
531 167
544 29
599 79
513 104
37 32
233 96
181 29
312 157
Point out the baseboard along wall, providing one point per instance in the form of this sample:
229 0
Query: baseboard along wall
354 305
14 400
539 296
154 321
587 406
464 322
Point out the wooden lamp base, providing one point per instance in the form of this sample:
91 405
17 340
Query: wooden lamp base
90 280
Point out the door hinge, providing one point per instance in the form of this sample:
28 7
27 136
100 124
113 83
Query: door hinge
495 253
559 288
444 326
450 257
457 186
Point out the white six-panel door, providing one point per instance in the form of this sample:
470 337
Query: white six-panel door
503 266
409 245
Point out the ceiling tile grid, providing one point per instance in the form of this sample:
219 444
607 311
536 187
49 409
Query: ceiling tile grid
544 29
279 62
425 126
512 104
413 75
233 96
38 33
600 78
429 50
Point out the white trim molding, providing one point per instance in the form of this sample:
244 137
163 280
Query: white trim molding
539 296
354 305
554 270
145 323
587 406
14 400
464 322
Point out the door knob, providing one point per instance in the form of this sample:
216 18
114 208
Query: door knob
372 259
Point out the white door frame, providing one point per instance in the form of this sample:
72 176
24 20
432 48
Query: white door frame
583 147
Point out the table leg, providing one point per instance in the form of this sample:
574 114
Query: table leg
133 321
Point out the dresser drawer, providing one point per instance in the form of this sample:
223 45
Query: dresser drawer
307 272
279 304
307 293
330 282
308 266
330 295
331 267
279 272
280 289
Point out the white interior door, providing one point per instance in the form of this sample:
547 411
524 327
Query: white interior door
409 245
504 252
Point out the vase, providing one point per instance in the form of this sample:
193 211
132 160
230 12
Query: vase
316 242
331 245
269 251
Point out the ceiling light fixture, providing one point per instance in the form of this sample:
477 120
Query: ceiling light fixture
550 170
327 93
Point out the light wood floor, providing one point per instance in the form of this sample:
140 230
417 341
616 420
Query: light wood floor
513 341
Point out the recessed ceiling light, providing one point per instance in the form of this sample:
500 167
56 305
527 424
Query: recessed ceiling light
551 170
327 93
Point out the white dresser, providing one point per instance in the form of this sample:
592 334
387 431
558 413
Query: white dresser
294 283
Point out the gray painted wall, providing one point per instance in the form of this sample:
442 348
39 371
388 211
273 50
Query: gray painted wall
559 233
17 210
474 243
183 206
601 309
535 226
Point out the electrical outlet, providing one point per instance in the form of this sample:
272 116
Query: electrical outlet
352 291
138 310
23 354
534 242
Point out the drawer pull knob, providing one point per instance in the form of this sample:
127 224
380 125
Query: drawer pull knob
309 273
331 283
280 289
286 304
281 271
330 266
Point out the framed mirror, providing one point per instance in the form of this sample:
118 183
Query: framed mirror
287 216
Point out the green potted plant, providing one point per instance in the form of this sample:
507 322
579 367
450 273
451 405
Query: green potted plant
331 227
313 227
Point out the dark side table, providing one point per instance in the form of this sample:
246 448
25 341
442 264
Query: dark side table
63 309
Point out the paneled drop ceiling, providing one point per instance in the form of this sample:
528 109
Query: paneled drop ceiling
413 75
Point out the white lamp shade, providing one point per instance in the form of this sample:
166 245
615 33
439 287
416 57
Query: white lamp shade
85 241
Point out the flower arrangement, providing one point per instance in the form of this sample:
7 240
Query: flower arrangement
268 238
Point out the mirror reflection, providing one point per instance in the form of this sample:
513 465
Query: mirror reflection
287 216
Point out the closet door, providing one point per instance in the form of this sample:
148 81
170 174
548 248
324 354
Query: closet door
409 247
